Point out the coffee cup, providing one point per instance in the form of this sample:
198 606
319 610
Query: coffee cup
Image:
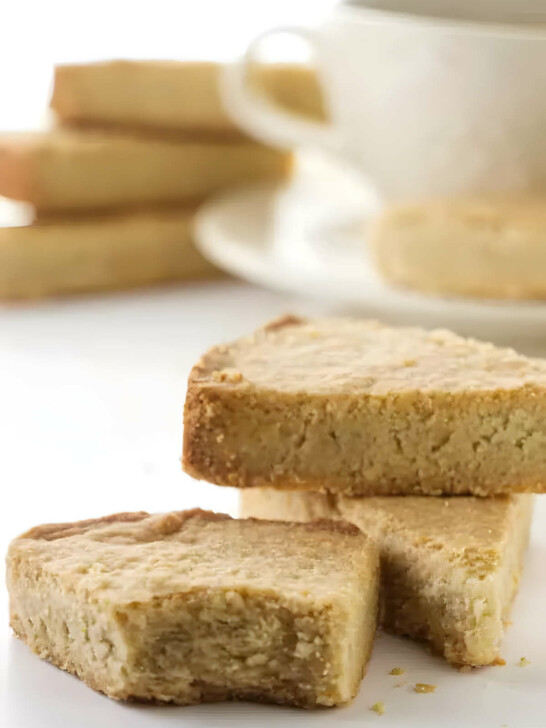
425 98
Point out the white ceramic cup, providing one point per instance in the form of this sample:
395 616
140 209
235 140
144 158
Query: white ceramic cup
448 103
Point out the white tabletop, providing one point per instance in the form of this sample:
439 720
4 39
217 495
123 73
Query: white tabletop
92 393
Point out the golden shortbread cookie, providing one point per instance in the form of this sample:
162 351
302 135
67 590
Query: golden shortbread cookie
67 169
188 607
74 255
171 96
357 407
450 567
483 248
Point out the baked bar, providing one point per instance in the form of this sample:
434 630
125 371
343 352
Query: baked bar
171 96
72 170
450 567
477 247
357 407
62 256
193 606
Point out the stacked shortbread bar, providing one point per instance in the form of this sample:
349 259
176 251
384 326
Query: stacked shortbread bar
430 443
115 185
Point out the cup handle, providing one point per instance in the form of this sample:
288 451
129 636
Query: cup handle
261 117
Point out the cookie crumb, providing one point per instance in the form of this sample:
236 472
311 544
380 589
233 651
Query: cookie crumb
465 668
227 375
523 662
424 688
397 671
499 661
378 707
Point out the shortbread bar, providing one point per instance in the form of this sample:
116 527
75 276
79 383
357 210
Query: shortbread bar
171 96
188 607
72 170
450 567
356 407
481 248
65 256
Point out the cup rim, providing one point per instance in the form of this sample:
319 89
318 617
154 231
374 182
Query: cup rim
478 26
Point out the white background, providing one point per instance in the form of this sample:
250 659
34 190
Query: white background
92 391
35 34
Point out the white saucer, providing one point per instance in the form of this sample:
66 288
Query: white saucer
309 237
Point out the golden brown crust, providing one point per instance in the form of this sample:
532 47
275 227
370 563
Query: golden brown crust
326 524
169 523
360 408
53 531
280 323
205 458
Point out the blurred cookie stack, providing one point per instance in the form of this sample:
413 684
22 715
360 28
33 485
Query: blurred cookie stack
114 186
